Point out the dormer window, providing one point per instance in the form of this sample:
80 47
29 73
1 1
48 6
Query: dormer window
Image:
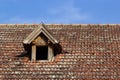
41 42
41 52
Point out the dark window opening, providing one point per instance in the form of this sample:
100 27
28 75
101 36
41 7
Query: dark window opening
41 52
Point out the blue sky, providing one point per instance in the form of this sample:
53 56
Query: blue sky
60 11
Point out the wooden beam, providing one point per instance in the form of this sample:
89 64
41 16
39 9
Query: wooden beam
33 55
50 53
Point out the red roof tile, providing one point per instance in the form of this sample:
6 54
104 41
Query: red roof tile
90 52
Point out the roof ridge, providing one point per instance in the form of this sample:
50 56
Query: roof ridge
59 24
20 24
82 24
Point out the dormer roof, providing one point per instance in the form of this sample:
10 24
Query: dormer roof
40 29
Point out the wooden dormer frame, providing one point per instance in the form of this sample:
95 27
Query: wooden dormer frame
31 38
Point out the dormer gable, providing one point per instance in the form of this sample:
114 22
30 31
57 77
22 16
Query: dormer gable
37 32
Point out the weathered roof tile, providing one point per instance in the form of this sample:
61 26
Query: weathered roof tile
90 51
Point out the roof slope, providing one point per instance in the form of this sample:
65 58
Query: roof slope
89 52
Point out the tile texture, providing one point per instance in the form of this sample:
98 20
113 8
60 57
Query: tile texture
89 52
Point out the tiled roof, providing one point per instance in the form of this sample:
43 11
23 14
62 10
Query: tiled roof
89 52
